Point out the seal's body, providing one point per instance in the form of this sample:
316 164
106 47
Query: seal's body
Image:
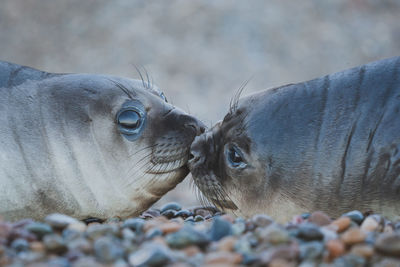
86 145
330 144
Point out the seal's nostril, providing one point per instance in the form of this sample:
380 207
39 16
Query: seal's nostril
191 156
198 129
191 126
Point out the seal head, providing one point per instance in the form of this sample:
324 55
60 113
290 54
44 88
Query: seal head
87 145
330 144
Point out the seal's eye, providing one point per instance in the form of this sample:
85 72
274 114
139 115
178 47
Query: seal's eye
129 119
163 97
234 157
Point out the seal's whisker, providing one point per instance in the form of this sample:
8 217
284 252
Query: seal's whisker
235 100
148 79
144 148
135 164
123 88
140 74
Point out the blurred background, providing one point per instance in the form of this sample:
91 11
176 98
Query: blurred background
200 51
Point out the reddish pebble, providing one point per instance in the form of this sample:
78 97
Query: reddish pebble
363 250
223 257
191 250
218 265
341 224
227 243
78 226
335 247
37 246
5 229
154 222
160 240
281 263
228 218
370 224
353 236
170 227
319 218
93 223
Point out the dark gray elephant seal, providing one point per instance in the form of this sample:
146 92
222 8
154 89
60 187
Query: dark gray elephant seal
87 145
330 144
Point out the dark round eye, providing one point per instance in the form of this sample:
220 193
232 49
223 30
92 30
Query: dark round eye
129 119
163 97
234 157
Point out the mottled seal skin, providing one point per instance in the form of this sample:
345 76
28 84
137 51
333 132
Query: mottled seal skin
87 145
330 144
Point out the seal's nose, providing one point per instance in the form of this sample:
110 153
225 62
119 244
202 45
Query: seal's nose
195 149
197 126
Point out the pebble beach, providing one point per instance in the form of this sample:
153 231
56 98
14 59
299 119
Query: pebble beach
202 236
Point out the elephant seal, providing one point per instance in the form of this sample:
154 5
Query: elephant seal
330 144
87 145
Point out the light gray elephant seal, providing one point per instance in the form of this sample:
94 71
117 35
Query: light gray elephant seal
87 145
330 144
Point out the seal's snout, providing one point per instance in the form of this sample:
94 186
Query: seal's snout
196 150
194 124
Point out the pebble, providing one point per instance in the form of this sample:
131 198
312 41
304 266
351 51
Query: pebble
370 224
149 214
169 213
273 234
205 211
309 231
262 220
238 228
353 236
223 257
341 224
37 246
171 206
185 237
363 250
150 255
107 249
355 215
311 250
95 231
135 224
220 228
20 244
54 244
39 229
198 218
184 214
335 248
59 221
170 227
191 250
289 253
388 244
214 240
153 233
350 260
319 218
81 244
78 226
227 243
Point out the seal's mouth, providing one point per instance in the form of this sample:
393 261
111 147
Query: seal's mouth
168 167
169 155
203 163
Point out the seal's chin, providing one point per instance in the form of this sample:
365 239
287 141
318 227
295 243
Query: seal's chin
209 185
168 167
